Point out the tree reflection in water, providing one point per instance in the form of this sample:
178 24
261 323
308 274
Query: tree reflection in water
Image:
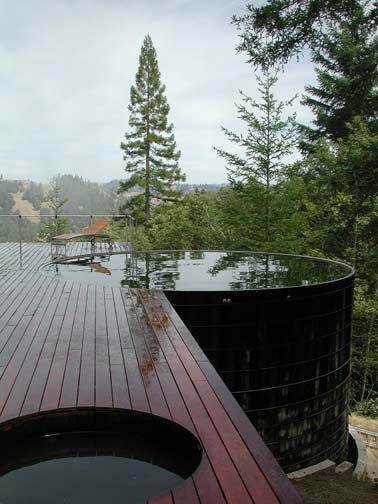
152 270
257 271
202 270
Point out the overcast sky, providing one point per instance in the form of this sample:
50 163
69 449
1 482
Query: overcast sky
66 67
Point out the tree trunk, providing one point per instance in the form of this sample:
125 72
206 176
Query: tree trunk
147 194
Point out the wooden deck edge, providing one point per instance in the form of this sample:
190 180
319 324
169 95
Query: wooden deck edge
280 483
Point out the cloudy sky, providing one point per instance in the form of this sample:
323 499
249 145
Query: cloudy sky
66 71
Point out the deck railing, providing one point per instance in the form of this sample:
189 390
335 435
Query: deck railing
77 221
370 438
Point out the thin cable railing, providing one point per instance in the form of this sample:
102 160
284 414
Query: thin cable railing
370 438
76 223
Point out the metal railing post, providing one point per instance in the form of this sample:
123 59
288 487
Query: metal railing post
20 236
131 226
135 234
126 229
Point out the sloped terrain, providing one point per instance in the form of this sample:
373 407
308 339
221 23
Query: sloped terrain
327 487
24 207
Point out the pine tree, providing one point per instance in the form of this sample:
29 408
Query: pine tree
269 140
57 225
150 148
276 31
347 78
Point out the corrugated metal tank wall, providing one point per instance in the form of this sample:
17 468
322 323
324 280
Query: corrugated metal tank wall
285 355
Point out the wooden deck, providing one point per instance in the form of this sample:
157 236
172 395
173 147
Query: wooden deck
66 346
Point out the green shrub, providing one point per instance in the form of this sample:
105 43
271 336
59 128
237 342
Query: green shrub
368 408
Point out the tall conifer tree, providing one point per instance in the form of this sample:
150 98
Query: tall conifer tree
150 149
269 140
272 33
347 78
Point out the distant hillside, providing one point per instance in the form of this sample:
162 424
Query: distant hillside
113 185
85 197
30 198
187 188
26 197
10 228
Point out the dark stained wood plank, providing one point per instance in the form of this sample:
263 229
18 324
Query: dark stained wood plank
104 395
205 480
265 460
207 485
255 480
54 383
179 345
5 249
13 298
33 255
33 349
28 304
164 499
160 300
86 395
11 334
258 486
122 323
138 323
177 408
9 282
69 392
38 382
186 493
149 335
120 387
138 396
283 488
232 485
14 360
32 314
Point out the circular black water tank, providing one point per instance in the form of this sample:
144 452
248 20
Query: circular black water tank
285 355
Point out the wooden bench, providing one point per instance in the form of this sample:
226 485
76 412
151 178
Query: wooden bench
59 243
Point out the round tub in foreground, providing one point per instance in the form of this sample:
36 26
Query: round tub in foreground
94 456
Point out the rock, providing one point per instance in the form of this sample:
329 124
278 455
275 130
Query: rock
307 471
344 467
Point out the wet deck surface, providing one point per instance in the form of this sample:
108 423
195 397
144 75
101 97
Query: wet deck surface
66 346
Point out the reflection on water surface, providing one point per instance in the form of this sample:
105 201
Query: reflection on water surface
91 467
200 270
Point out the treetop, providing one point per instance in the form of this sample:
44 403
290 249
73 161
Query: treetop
275 32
